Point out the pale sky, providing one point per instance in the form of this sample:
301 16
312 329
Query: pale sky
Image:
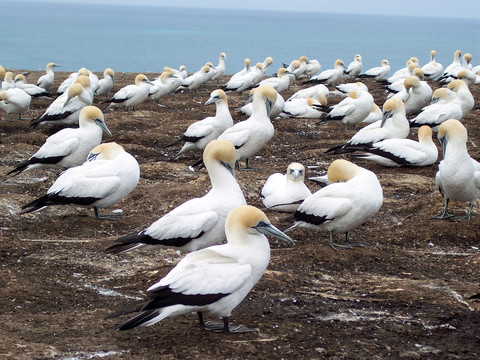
436 8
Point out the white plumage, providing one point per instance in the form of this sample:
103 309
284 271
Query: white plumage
105 85
220 68
375 115
132 95
276 110
432 69
304 108
310 91
46 81
330 76
378 72
280 83
14 101
197 79
30 89
355 67
465 97
416 94
165 84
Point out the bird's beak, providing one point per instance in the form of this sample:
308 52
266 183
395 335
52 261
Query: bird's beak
386 115
147 81
103 126
443 142
269 229
295 173
211 100
435 100
229 168
269 106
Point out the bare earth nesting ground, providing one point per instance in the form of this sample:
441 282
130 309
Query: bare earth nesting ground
403 296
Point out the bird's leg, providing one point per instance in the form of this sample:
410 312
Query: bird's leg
347 241
444 214
464 217
224 326
106 217
335 246
247 166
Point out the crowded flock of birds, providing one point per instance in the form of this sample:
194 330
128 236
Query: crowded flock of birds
213 277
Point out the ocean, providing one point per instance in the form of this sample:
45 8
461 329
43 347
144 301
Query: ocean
145 39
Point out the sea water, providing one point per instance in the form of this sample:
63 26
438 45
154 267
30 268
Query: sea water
145 39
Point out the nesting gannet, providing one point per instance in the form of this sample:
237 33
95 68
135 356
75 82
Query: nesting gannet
399 85
432 69
285 192
299 72
304 108
31 89
346 88
162 86
352 110
313 67
311 91
416 95
105 85
455 63
8 81
445 105
378 72
251 135
246 69
197 79
199 222
132 95
72 78
220 68
458 176
280 83
330 76
394 124
266 63
403 152
468 76
406 71
453 72
212 280
276 110
14 101
355 67
46 81
353 196
202 132
68 147
465 97
245 81
375 115
108 175
66 108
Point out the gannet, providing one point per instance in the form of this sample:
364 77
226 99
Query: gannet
313 67
285 192
245 81
403 152
330 76
445 105
246 69
31 89
460 88
162 86
458 176
266 63
8 81
304 108
68 147
406 71
202 132
14 101
178 76
132 95
394 124
416 95
378 72
66 108
199 222
105 85
220 68
355 67
46 81
251 135
468 76
72 78
197 79
108 175
432 69
353 196
211 73
346 88
452 73
375 115
277 107
280 83
299 72
399 85
455 63
212 280
311 91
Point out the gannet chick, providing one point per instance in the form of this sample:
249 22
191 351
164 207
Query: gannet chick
46 81
68 147
199 222
353 196
355 67
378 72
330 76
458 176
14 101
105 85
132 95
285 192
213 280
108 175
432 69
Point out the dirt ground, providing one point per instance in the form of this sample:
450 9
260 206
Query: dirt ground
403 296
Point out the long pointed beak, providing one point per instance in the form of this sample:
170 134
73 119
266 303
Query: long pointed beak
386 115
103 126
269 229
443 142
211 100
229 168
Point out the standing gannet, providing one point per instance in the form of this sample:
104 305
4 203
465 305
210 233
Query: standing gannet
202 132
211 73
199 222
305 107
285 192
403 152
399 84
458 176
162 86
465 97
280 83
108 175
432 69
14 101
46 81
66 108
68 147
105 85
246 69
416 95
212 280
355 67
352 110
394 124
220 68
445 105
353 196
275 111
132 95
346 88
251 135
310 91
452 73
406 71
330 76
31 89
379 72
299 71
197 79
71 79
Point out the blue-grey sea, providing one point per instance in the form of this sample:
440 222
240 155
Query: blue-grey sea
145 39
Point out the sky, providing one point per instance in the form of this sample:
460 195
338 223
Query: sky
435 8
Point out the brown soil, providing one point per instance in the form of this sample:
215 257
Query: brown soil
403 296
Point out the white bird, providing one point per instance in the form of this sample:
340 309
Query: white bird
280 83
460 88
379 72
132 95
202 132
71 80
404 72
416 95
8 81
266 63
330 76
251 135
299 72
346 88
162 86
458 176
245 81
31 89
432 69
220 68
311 91
68 147
394 124
276 110
355 67
455 63
177 79
304 108
285 192
375 115
453 72
445 105
403 152
46 81
105 85
66 108
14 101
246 69
313 67
199 222
399 85
108 175
211 73
2 75
197 79
212 280
468 76
353 196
